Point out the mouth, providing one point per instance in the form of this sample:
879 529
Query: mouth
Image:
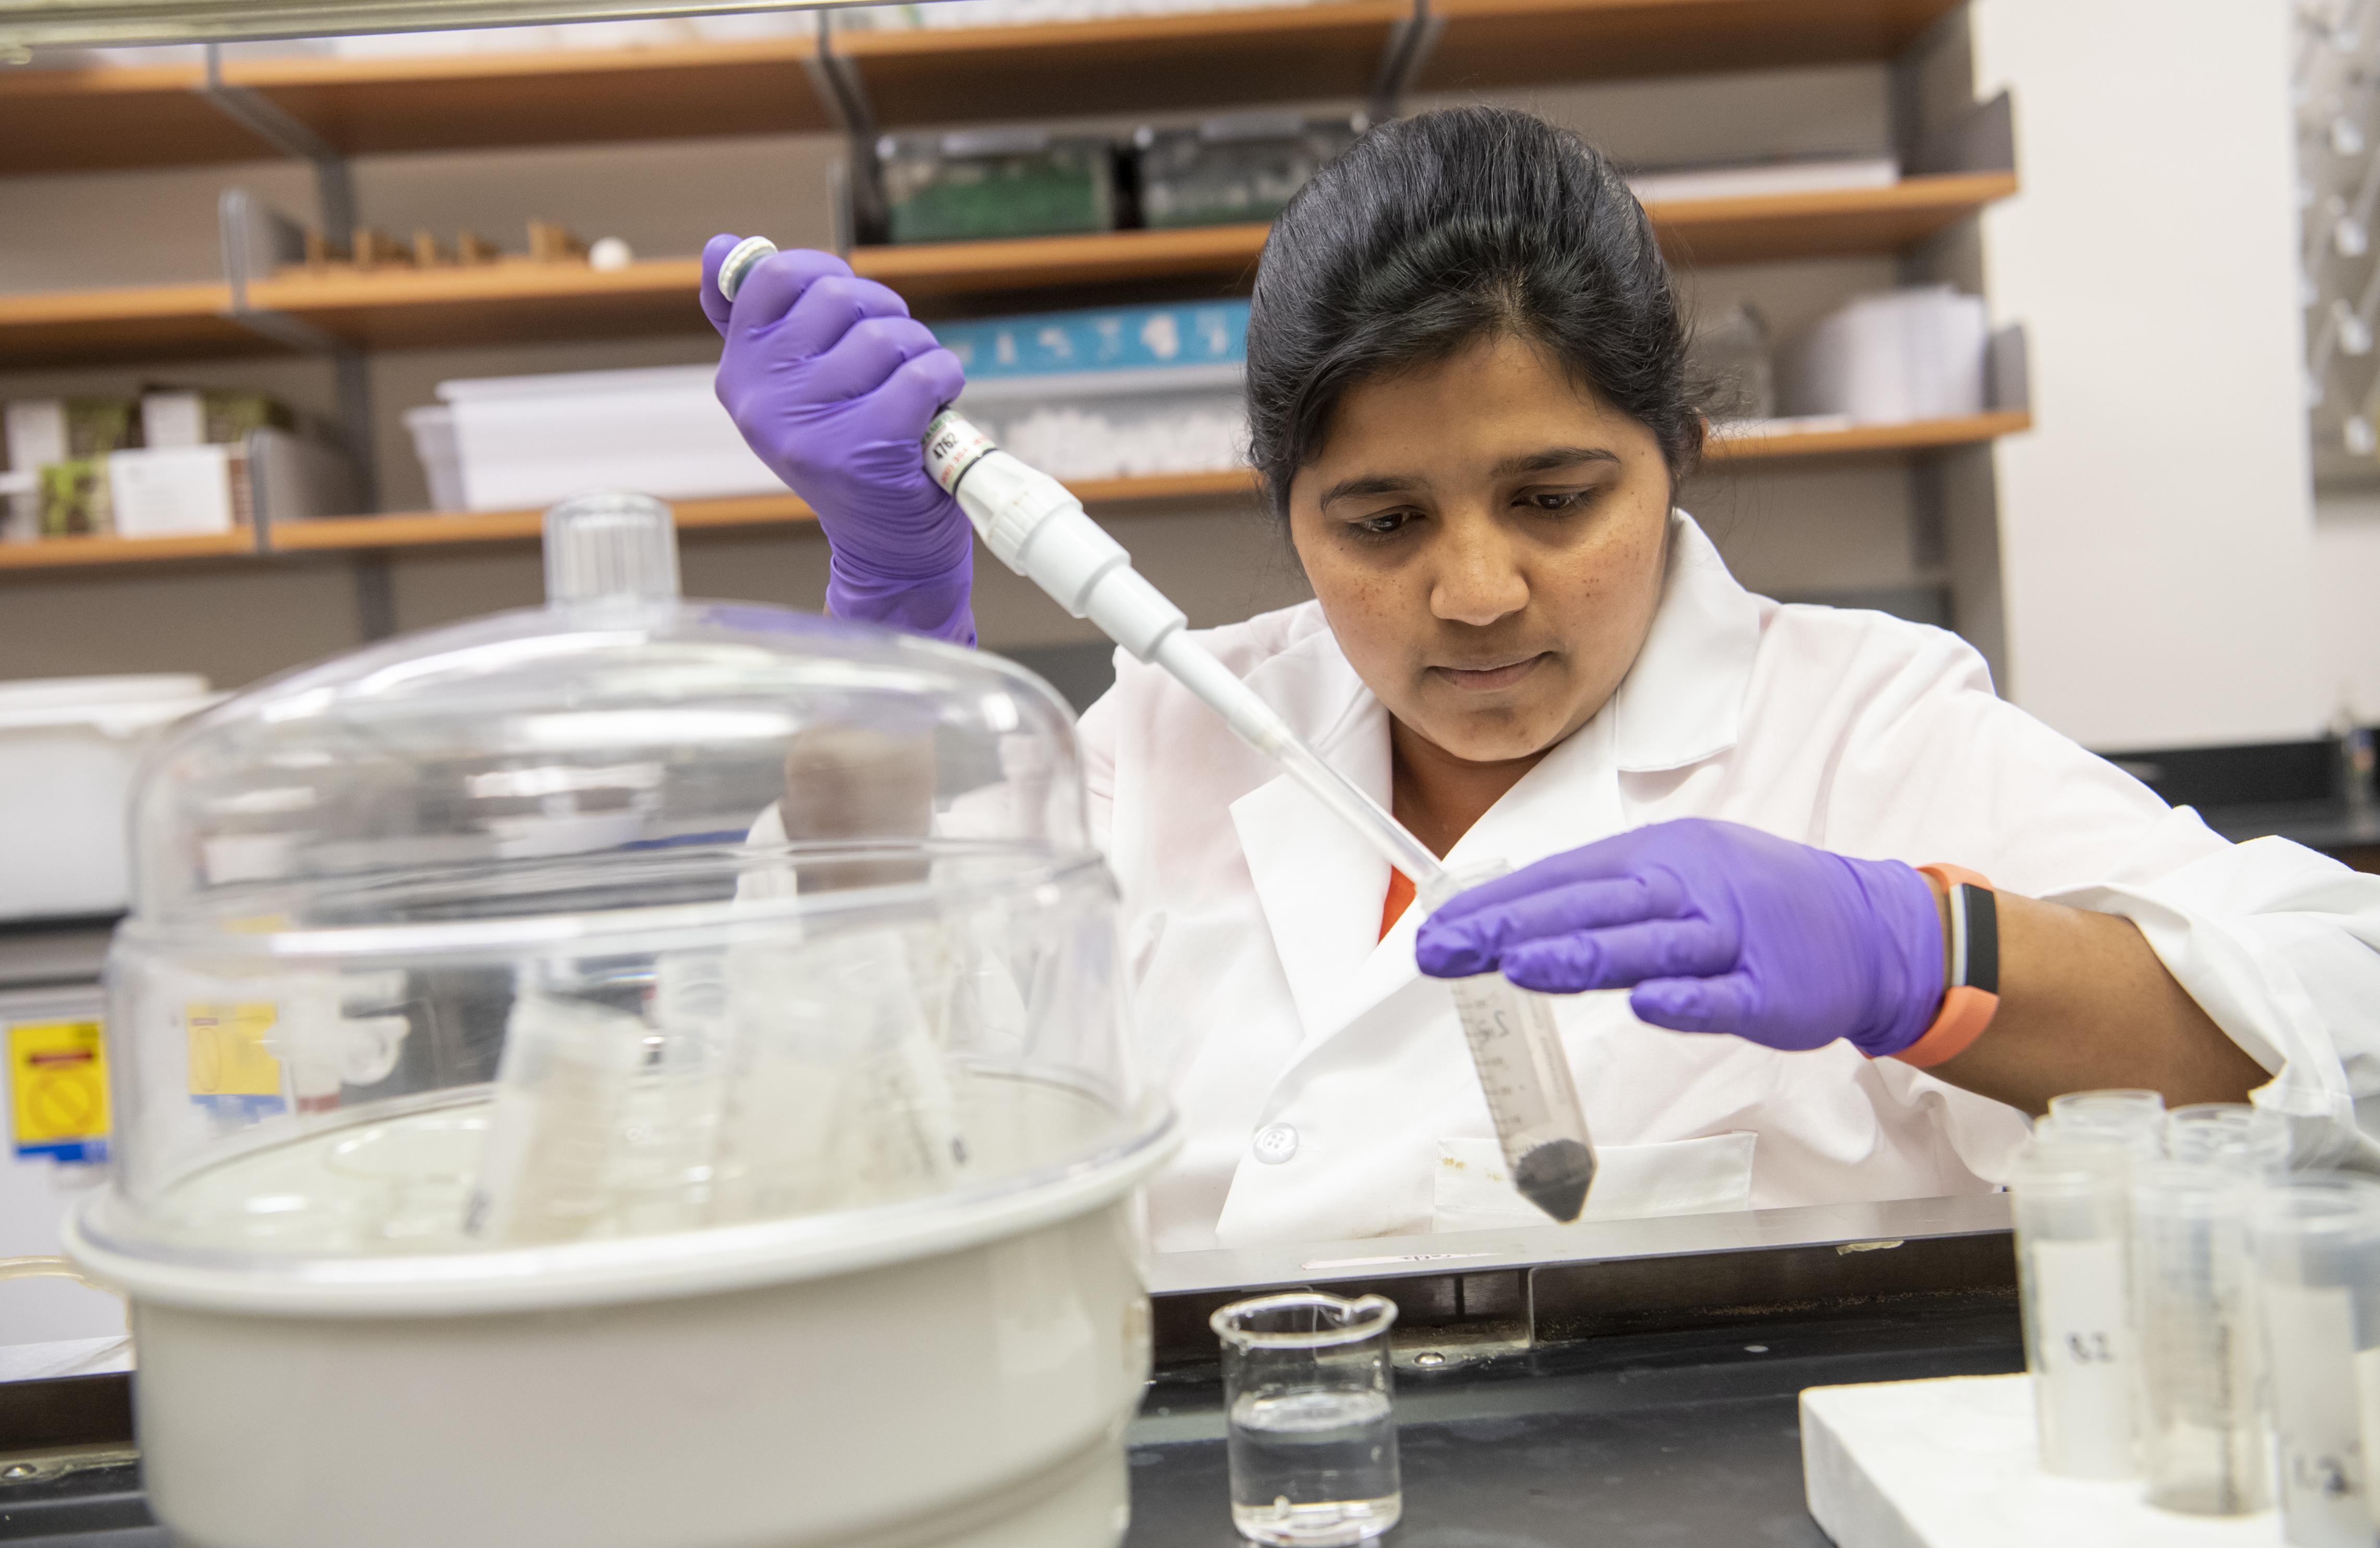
1490 676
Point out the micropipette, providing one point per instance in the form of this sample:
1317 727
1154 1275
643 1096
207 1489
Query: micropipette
1038 530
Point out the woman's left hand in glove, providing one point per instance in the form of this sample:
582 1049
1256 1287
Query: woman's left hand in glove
1713 927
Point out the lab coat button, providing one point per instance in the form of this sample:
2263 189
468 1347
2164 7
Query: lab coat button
1276 1145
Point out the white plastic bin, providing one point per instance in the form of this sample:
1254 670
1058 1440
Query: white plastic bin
523 441
1916 353
67 749
441 454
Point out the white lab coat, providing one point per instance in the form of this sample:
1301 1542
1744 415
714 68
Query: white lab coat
1325 1085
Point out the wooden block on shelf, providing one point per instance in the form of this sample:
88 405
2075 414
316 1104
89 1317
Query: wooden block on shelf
550 242
374 248
322 253
472 248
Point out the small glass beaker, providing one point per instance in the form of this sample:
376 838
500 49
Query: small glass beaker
1312 1432
2252 1140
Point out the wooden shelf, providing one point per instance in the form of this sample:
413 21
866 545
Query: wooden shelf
520 302
102 118
1519 43
496 303
1869 440
572 96
1206 60
351 533
1773 226
68 120
354 534
164 322
85 553
938 270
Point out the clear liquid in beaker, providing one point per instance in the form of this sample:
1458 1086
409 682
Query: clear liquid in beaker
1314 1467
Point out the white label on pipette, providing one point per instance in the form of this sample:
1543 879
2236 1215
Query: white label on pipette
952 446
2083 1319
2310 1337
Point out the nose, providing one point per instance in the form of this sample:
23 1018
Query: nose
1479 578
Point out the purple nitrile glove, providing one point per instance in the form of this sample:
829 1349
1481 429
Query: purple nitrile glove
1716 928
832 383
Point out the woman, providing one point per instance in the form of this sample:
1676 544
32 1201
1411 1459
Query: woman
1467 399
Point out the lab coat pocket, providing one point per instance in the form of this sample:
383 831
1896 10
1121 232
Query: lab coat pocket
1473 1191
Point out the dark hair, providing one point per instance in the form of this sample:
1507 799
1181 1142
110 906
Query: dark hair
1434 230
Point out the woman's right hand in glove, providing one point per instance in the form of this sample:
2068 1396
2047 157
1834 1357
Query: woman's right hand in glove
832 383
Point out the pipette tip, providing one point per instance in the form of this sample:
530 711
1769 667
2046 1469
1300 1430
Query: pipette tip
1555 1176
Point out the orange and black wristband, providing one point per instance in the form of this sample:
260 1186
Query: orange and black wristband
1972 993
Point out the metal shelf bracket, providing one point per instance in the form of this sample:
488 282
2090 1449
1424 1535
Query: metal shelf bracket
858 194
1408 49
265 118
256 238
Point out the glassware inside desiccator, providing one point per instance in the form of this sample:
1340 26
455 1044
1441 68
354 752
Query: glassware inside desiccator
622 918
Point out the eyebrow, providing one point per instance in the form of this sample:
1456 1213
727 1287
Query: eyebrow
1526 462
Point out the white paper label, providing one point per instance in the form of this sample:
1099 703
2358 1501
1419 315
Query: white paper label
952 446
2310 1345
2083 1373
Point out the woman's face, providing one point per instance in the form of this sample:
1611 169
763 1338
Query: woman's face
1487 540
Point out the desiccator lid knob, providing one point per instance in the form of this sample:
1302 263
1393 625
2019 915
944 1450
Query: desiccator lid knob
610 545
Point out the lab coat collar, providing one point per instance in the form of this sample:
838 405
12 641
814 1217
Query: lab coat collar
1321 886
1682 700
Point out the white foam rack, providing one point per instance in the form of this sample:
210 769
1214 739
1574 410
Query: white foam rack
1955 1463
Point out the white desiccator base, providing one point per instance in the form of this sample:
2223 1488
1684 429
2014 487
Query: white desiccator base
1956 1463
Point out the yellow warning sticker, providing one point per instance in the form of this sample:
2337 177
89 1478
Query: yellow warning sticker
229 1052
58 1085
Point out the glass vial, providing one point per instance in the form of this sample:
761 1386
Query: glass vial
2203 1450
2252 1140
2317 1259
1312 1432
2135 1118
2071 1201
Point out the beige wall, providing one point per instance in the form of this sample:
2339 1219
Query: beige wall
2157 527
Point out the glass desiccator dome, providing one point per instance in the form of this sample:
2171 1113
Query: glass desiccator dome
623 933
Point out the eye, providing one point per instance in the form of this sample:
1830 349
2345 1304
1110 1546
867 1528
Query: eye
1384 524
1556 502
